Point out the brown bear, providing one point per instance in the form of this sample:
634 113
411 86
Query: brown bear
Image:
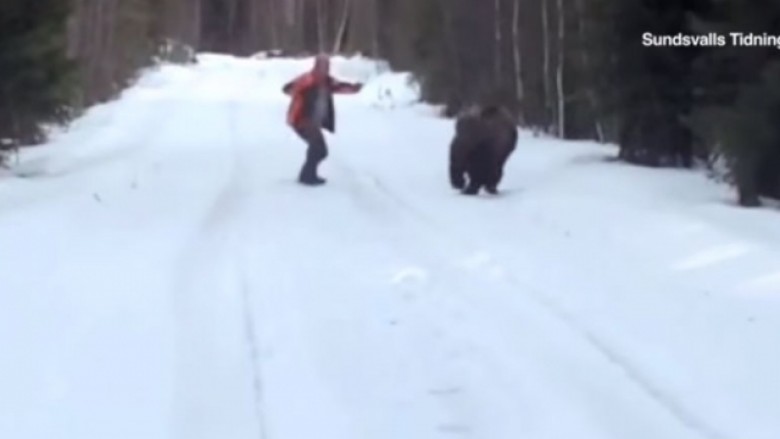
484 139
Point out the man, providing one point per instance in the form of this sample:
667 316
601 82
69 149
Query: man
311 110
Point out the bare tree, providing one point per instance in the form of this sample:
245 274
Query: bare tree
546 74
497 39
517 58
586 65
321 25
342 27
271 22
559 72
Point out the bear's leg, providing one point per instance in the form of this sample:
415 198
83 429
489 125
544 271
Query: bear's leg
497 169
474 178
496 174
459 160
472 189
478 170
457 179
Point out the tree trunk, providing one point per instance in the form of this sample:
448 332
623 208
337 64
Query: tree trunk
450 42
518 60
271 22
747 182
232 26
497 40
587 68
320 25
196 22
548 106
375 24
342 29
561 113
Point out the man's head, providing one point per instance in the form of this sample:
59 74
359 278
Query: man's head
321 65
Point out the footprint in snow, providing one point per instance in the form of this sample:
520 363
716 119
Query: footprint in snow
410 276
458 429
483 262
446 391
476 261
497 272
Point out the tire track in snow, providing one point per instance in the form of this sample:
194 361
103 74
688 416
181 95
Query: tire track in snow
446 357
251 327
632 371
220 389
447 236
253 343
406 351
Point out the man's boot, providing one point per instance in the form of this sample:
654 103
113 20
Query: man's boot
308 175
312 180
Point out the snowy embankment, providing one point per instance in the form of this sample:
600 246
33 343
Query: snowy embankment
162 276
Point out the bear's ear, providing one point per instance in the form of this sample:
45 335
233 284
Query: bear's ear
490 111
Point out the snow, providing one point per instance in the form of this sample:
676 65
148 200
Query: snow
163 276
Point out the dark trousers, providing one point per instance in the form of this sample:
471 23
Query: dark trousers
316 152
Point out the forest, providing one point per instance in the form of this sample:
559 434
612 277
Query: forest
574 69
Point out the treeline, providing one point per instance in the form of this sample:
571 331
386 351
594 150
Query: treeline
60 56
576 69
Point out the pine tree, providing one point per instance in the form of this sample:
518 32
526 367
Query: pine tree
740 102
36 77
431 54
649 90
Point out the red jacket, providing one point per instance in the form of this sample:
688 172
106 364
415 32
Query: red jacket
304 93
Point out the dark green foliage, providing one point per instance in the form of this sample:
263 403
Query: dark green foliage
664 106
139 36
227 26
36 78
112 41
58 57
431 54
452 53
648 89
672 103
739 98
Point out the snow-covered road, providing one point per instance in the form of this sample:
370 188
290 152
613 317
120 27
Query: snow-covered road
163 276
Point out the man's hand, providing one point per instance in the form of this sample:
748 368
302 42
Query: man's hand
346 88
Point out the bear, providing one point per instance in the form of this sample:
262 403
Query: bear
485 138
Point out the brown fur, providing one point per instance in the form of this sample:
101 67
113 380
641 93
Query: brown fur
484 140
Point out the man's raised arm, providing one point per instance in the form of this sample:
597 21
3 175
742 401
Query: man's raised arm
345 87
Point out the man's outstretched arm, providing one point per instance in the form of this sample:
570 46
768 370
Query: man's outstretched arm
345 87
